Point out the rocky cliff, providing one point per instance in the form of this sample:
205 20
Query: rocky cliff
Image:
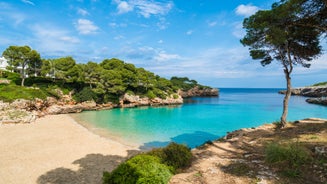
26 111
308 91
318 94
196 91
134 101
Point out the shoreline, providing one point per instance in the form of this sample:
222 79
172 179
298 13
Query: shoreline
55 147
102 132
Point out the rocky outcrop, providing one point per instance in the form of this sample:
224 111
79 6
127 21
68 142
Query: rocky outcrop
129 100
13 113
26 111
320 101
320 91
196 91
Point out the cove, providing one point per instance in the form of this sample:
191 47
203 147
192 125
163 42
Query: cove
199 119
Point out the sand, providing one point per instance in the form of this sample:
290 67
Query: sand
56 149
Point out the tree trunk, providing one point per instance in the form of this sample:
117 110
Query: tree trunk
23 80
23 75
283 119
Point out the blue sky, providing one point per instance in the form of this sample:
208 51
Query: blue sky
195 38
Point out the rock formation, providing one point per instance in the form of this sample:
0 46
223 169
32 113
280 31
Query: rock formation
196 91
129 100
26 111
318 94
308 91
321 100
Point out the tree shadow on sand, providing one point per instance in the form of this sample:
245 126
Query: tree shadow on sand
90 169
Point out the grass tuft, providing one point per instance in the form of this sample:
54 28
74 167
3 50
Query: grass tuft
287 157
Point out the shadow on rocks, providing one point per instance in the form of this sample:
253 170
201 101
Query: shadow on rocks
91 168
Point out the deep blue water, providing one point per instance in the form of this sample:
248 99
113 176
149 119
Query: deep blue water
199 119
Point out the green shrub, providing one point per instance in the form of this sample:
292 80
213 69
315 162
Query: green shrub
52 91
289 157
130 92
175 96
141 169
320 84
159 93
109 98
12 92
151 95
40 81
86 94
14 77
176 156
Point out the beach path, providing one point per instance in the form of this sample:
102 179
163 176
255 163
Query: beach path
56 149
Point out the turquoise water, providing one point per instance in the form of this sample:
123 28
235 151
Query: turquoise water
198 119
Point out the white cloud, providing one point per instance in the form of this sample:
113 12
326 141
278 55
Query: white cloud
12 16
119 37
163 56
53 40
146 8
124 7
317 65
212 24
189 32
238 31
160 41
115 25
85 26
212 63
83 12
69 39
246 10
162 24
28 2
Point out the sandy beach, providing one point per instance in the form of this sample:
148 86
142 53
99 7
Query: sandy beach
56 149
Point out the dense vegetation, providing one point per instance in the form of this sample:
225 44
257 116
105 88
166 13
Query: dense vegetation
320 84
103 82
185 83
156 166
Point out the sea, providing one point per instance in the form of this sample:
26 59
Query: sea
199 119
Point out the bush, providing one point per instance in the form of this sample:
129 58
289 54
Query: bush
151 95
141 169
12 92
289 157
14 77
40 81
86 94
159 93
320 84
177 156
